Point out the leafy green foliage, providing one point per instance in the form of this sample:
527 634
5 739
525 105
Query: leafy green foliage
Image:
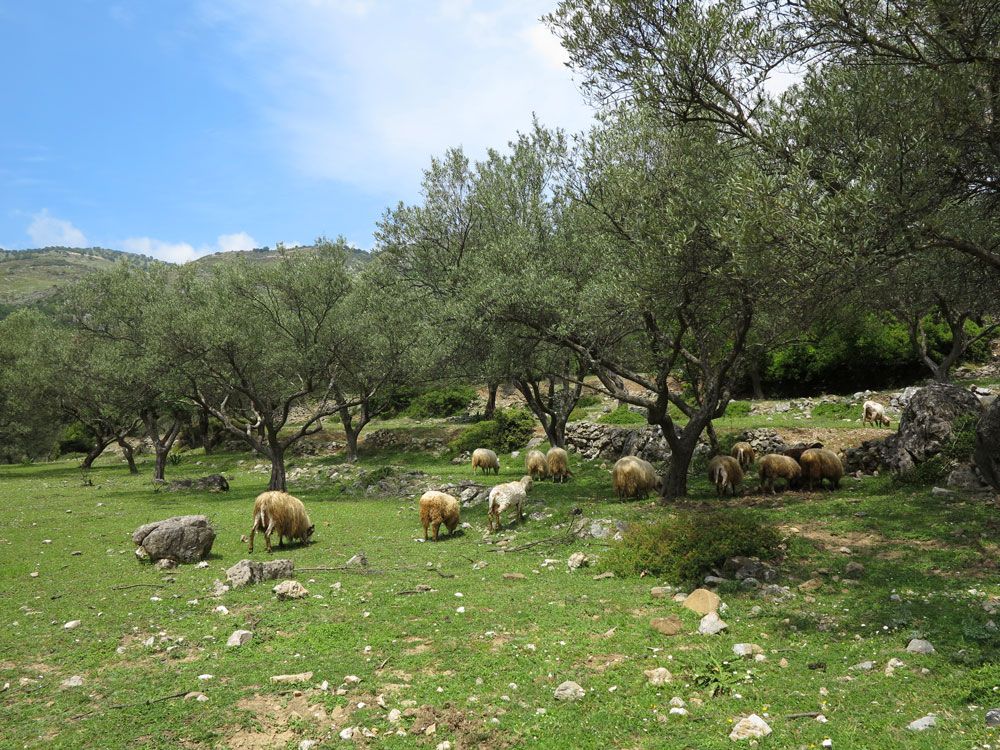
441 402
738 409
835 411
74 439
509 430
622 415
684 547
722 677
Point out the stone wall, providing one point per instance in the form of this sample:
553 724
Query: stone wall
611 442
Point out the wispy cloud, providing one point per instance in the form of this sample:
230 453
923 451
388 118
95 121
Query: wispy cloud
45 230
365 92
183 252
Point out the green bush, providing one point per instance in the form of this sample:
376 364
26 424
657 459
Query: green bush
585 402
509 430
622 415
683 548
74 439
835 411
737 409
441 402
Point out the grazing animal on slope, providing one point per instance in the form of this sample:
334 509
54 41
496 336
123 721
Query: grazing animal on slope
535 465
282 513
725 471
485 459
819 464
558 462
744 455
776 466
438 508
633 477
508 495
874 412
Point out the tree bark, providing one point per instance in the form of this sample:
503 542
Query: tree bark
277 456
755 381
96 450
491 400
128 453
205 428
161 444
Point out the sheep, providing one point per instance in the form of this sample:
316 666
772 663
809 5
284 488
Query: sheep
535 465
632 477
778 466
437 508
743 453
874 412
282 513
725 471
485 459
508 495
819 464
558 463
795 452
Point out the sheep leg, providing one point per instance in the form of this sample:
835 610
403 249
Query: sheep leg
267 535
425 530
253 532
435 526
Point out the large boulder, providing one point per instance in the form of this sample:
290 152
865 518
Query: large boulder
987 454
211 483
926 425
184 539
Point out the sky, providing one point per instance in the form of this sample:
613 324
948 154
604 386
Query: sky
181 128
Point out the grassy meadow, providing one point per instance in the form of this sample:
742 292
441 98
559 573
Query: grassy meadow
475 659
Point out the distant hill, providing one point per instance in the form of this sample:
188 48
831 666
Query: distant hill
356 259
32 276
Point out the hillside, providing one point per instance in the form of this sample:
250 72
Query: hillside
357 258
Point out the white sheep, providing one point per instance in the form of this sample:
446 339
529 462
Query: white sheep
508 495
874 412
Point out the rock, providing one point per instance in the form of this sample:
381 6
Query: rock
290 589
711 624
73 682
811 585
925 426
358 561
347 733
514 576
854 570
246 572
924 722
748 728
747 650
394 716
446 745
714 580
610 442
218 588
602 576
211 483
72 625
941 492
186 539
569 691
660 592
240 638
703 601
658 676
965 477
987 450
195 696
165 563
742 568
577 560
993 717
308 744
291 679
920 646
864 666
671 625
202 564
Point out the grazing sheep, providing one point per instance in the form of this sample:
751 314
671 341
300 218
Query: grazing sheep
282 513
535 465
558 463
795 452
725 471
509 495
874 412
632 477
777 466
819 464
485 459
744 455
437 508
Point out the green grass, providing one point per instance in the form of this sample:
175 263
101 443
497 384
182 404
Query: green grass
485 672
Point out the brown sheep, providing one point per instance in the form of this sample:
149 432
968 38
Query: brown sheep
777 466
282 513
485 459
558 463
744 455
508 495
437 508
633 477
725 471
535 465
819 464
795 452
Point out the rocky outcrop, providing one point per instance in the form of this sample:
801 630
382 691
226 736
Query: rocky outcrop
764 440
987 453
183 539
469 494
611 442
246 572
926 424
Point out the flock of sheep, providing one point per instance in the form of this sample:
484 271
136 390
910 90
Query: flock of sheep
632 477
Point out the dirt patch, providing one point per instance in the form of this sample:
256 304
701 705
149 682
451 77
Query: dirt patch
273 715
603 662
857 540
836 439
498 643
419 646
469 730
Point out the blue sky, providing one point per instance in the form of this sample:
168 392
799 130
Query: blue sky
192 126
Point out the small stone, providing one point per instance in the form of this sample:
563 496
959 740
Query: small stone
746 650
864 666
711 624
202 564
240 638
679 711
34 574
703 601
446 745
515 576
72 625
577 560
749 727
569 691
854 570
659 676
165 563
194 695
221 609
347 733
206 677
351 679
308 744
920 646
395 715
605 575
660 592
811 585
677 701
783 663
291 679
73 682
924 722
671 625
679 597
290 590
993 717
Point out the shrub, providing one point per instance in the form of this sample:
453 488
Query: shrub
74 439
622 415
835 411
509 430
737 409
441 402
683 548
585 402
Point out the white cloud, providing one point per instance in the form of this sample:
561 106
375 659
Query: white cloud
366 92
182 252
46 230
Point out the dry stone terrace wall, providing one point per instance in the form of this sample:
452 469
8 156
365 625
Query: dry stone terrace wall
611 442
